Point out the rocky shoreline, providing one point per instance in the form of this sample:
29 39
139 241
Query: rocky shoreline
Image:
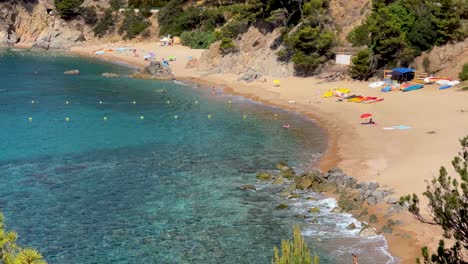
353 196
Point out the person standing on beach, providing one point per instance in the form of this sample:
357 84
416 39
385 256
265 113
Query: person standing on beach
354 259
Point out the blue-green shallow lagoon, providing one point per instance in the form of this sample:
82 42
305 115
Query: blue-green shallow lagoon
137 175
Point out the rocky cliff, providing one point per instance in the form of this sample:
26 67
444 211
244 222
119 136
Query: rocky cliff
254 56
36 24
33 25
445 60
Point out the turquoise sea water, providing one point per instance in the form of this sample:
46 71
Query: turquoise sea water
98 170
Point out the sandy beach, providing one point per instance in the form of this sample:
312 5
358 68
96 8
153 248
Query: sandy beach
400 160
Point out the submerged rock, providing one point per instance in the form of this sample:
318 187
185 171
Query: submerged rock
314 210
282 206
264 176
110 75
72 72
278 181
248 187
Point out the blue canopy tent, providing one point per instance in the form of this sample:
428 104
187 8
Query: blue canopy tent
403 74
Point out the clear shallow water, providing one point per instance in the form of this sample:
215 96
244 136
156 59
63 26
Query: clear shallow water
143 186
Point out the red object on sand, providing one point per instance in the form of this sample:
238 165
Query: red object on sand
366 115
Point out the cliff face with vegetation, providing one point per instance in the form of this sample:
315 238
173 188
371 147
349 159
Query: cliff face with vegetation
272 37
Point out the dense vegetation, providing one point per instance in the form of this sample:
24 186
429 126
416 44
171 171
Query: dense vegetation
68 9
396 31
464 73
448 208
294 252
133 24
11 253
105 25
307 35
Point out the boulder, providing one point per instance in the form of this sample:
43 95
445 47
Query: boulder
156 70
281 165
72 72
367 231
396 208
347 203
264 176
336 210
392 200
250 76
302 183
373 186
349 181
300 216
314 220
379 195
290 173
351 226
373 219
282 206
371 201
314 210
335 170
294 196
278 181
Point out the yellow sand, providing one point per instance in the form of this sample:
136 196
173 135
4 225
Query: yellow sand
398 159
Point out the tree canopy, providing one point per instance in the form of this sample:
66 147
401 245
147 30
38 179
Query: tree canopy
448 208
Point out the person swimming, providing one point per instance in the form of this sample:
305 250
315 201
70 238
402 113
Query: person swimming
286 126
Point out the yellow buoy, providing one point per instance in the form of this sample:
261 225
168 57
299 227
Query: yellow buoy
105 118
134 102
67 119
66 102
100 102
244 116
168 102
32 102
30 119
209 116
196 102
176 117
142 117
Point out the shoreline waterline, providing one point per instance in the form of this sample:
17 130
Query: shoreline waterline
333 132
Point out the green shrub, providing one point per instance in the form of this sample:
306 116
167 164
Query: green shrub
234 28
227 46
11 253
168 18
294 252
361 68
133 25
464 73
359 36
311 46
89 15
146 3
105 24
197 39
68 9
116 4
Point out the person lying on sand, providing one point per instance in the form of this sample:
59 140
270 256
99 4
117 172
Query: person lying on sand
371 122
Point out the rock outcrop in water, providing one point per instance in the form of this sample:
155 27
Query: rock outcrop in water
353 195
156 70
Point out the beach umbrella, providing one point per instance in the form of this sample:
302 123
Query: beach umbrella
366 115
276 82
